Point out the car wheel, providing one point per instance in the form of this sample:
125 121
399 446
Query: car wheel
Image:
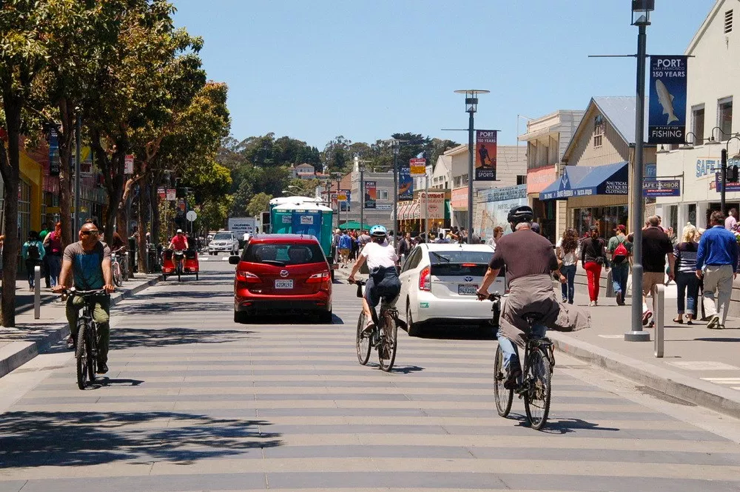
240 317
413 329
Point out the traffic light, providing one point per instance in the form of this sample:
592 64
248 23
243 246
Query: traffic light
732 174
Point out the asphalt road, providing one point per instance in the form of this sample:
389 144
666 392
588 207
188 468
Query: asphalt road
195 402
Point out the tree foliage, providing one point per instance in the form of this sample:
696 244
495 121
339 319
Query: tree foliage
258 204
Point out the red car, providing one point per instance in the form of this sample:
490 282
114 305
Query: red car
281 273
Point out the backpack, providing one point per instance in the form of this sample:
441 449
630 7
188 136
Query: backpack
620 254
33 251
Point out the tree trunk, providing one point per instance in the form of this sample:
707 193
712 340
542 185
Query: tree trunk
65 173
154 201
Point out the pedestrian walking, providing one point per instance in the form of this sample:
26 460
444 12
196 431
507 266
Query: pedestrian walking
498 233
687 282
54 249
655 246
620 250
731 220
717 259
345 243
566 250
45 261
593 259
32 253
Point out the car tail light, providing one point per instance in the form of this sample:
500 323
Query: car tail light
469 265
425 279
247 277
323 278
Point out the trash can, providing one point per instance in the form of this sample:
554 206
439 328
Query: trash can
152 260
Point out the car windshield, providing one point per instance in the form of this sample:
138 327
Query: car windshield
222 237
459 262
283 254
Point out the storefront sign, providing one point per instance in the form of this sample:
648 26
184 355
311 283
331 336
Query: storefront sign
405 184
384 206
508 193
498 203
540 178
667 116
54 162
434 204
665 187
651 171
128 165
371 194
485 155
418 167
707 167
459 198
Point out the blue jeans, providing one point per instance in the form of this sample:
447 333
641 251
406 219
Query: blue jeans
688 288
511 353
620 274
569 289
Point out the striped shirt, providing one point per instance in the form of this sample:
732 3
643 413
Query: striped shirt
685 254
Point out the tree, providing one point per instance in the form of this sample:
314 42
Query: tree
337 154
258 204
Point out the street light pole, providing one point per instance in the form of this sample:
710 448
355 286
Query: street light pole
361 168
396 144
643 7
724 179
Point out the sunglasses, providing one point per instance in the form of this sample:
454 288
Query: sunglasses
87 233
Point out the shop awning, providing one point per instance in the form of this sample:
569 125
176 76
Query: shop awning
588 181
400 210
413 212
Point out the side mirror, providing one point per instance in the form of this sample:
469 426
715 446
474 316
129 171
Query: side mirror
234 260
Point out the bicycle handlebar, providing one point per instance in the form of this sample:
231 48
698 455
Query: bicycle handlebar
490 297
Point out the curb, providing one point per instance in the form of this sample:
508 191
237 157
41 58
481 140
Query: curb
15 354
670 383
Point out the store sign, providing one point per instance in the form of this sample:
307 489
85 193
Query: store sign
651 171
485 155
540 178
730 186
459 198
371 194
405 184
667 116
508 193
128 165
418 167
658 188
384 206
54 162
433 202
707 167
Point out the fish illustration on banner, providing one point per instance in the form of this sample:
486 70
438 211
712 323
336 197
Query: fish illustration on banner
667 110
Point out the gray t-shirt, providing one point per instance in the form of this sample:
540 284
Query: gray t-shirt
87 266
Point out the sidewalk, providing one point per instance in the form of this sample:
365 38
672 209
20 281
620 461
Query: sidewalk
30 336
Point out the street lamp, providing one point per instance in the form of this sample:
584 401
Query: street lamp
641 18
338 178
471 106
723 173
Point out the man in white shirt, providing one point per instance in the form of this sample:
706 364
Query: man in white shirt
731 220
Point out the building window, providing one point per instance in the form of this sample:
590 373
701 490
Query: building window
383 194
599 126
724 117
697 118
728 22
464 179
521 179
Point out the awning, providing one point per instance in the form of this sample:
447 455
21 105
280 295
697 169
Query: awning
588 181
413 212
400 210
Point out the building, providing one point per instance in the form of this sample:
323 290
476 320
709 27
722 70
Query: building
713 79
303 171
546 139
596 167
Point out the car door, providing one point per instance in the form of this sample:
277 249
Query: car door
409 273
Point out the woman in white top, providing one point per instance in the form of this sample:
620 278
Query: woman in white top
567 253
498 233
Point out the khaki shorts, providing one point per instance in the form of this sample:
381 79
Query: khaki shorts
344 251
650 282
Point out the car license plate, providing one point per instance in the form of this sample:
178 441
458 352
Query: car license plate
284 284
466 289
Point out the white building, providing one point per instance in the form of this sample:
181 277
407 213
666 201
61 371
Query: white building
713 82
303 171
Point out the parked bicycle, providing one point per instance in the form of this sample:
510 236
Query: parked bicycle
535 384
116 265
86 345
383 336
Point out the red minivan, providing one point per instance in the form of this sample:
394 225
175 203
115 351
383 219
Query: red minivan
281 273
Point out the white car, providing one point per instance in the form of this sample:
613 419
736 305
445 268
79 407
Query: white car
224 241
439 283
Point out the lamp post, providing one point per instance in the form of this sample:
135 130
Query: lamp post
471 106
396 147
723 173
641 9
338 177
361 168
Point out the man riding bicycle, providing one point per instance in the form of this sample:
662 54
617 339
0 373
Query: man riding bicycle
87 262
179 243
383 281
530 260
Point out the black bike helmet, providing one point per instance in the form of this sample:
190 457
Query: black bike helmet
520 214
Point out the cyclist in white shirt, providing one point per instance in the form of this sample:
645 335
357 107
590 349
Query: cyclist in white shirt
383 281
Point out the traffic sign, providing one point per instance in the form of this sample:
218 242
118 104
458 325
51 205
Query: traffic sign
191 216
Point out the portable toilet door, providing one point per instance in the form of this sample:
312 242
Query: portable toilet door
282 221
307 222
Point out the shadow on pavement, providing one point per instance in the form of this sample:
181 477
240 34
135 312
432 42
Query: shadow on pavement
291 319
174 307
566 426
30 439
158 337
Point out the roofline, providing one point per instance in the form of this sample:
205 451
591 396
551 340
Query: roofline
578 129
704 26
456 150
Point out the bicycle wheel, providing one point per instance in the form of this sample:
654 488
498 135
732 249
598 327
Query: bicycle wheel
363 341
502 396
388 342
117 277
179 273
92 352
82 355
537 392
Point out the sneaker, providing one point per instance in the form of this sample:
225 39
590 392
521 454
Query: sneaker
592 304
368 326
720 327
70 342
512 382
713 322
620 301
646 317
102 368
565 300
651 324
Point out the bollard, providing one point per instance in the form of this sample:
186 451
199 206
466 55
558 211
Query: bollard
126 266
659 320
36 292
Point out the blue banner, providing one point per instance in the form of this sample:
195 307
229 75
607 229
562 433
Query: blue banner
664 187
405 184
718 184
54 162
667 116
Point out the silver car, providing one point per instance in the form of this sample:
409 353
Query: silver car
224 242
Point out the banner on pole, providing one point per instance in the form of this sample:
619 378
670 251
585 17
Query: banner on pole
664 187
405 184
171 194
54 162
371 194
667 116
128 165
485 155
418 166
345 198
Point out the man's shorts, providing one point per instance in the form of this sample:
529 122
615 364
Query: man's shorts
650 281
382 283
344 251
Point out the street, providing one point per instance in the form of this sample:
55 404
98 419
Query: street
196 402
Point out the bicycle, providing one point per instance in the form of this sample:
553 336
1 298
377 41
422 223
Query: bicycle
115 265
86 348
383 336
535 386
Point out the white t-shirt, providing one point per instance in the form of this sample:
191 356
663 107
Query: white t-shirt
379 255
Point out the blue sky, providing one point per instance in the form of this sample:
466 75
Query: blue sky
315 69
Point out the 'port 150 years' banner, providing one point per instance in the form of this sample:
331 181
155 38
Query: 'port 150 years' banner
405 184
667 116
485 155
371 194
